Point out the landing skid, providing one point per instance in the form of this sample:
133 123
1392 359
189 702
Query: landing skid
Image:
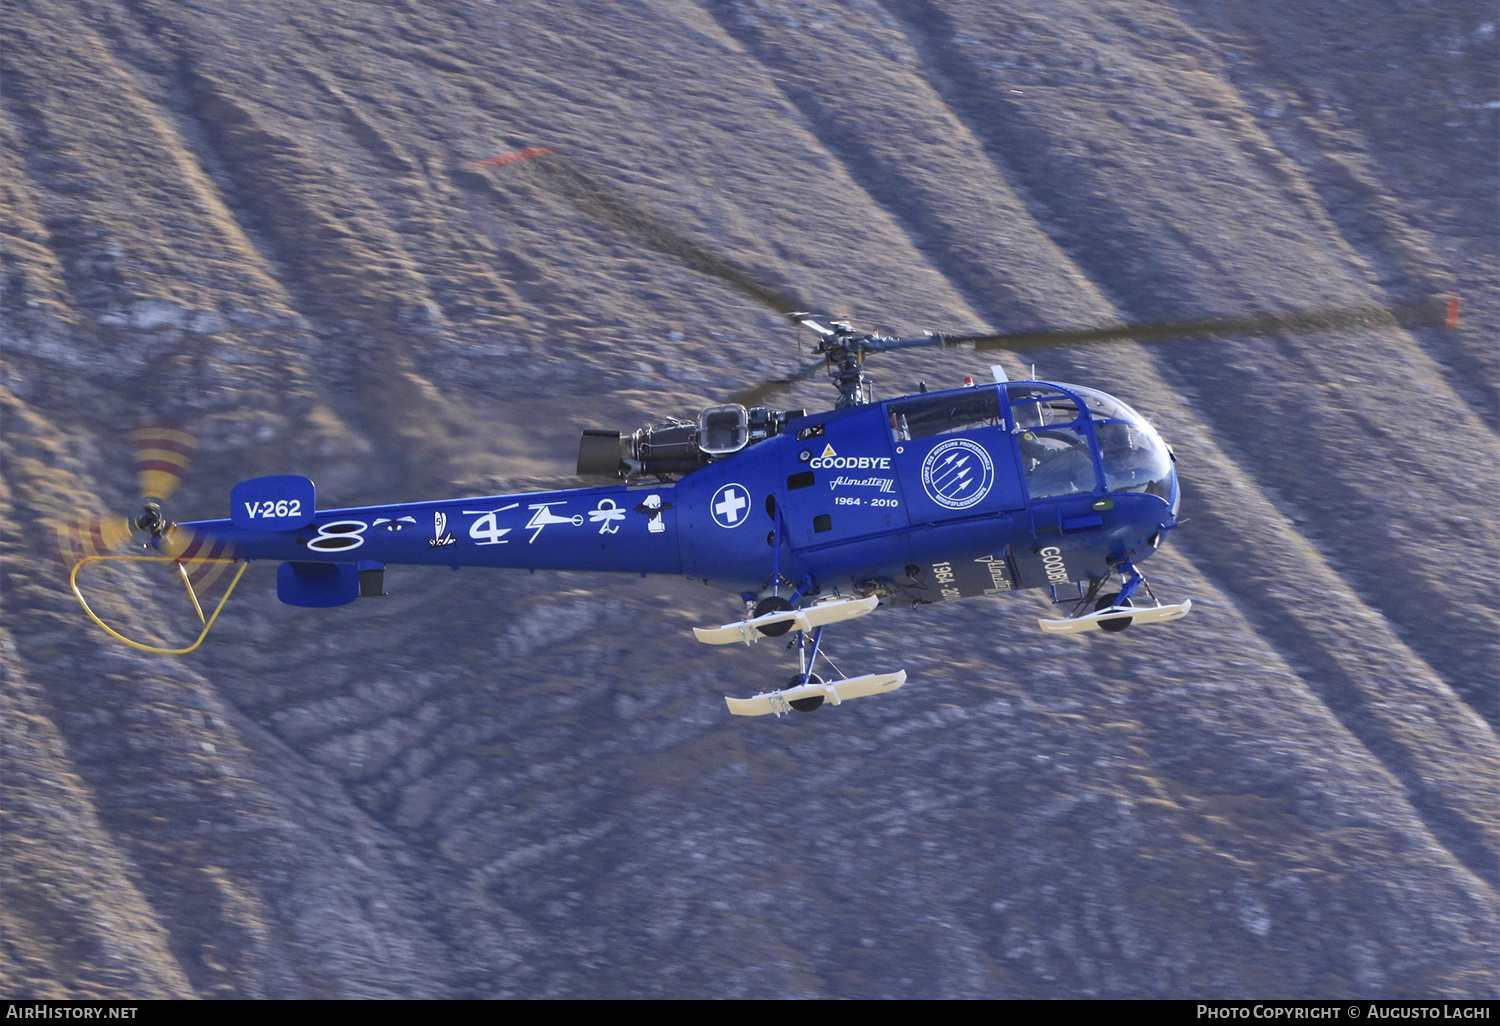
1116 612
1131 614
805 620
806 691
837 692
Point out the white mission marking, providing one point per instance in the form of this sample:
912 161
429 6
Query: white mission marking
485 530
544 517
606 515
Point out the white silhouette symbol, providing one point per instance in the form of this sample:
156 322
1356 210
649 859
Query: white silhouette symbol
439 524
653 509
606 516
485 530
543 517
393 525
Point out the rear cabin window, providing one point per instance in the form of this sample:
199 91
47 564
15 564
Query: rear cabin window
944 414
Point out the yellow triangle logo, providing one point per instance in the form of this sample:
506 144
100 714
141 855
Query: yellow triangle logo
828 451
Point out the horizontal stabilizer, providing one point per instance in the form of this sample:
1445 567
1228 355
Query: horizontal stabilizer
819 615
1135 614
317 585
837 692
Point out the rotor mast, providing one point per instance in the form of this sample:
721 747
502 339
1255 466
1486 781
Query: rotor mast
844 351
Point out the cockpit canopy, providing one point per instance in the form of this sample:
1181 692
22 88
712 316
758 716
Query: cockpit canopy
1135 457
1053 426
1053 431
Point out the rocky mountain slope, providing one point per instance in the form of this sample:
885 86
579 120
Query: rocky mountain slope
267 220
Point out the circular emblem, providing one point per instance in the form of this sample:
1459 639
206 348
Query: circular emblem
731 505
957 473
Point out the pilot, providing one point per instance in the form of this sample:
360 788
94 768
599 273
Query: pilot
1056 461
900 431
1130 460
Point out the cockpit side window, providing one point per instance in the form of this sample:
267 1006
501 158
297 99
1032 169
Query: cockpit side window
1033 405
944 414
1052 435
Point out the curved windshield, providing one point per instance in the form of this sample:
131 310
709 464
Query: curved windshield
1134 455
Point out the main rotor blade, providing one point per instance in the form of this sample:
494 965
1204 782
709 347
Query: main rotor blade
604 201
757 394
1437 312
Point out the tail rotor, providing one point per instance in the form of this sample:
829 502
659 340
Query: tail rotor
164 450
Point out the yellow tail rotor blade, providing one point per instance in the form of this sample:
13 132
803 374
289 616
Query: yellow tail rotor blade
163 451
90 535
203 556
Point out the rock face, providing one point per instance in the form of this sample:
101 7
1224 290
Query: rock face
267 219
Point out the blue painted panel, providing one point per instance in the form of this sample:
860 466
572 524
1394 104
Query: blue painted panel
724 523
617 529
283 502
841 485
1082 523
317 585
965 471
850 563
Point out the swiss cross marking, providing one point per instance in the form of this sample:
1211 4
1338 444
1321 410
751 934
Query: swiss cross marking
730 505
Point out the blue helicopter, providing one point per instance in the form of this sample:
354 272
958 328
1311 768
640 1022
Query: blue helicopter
811 519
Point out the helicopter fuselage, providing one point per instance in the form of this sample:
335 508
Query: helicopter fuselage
971 491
